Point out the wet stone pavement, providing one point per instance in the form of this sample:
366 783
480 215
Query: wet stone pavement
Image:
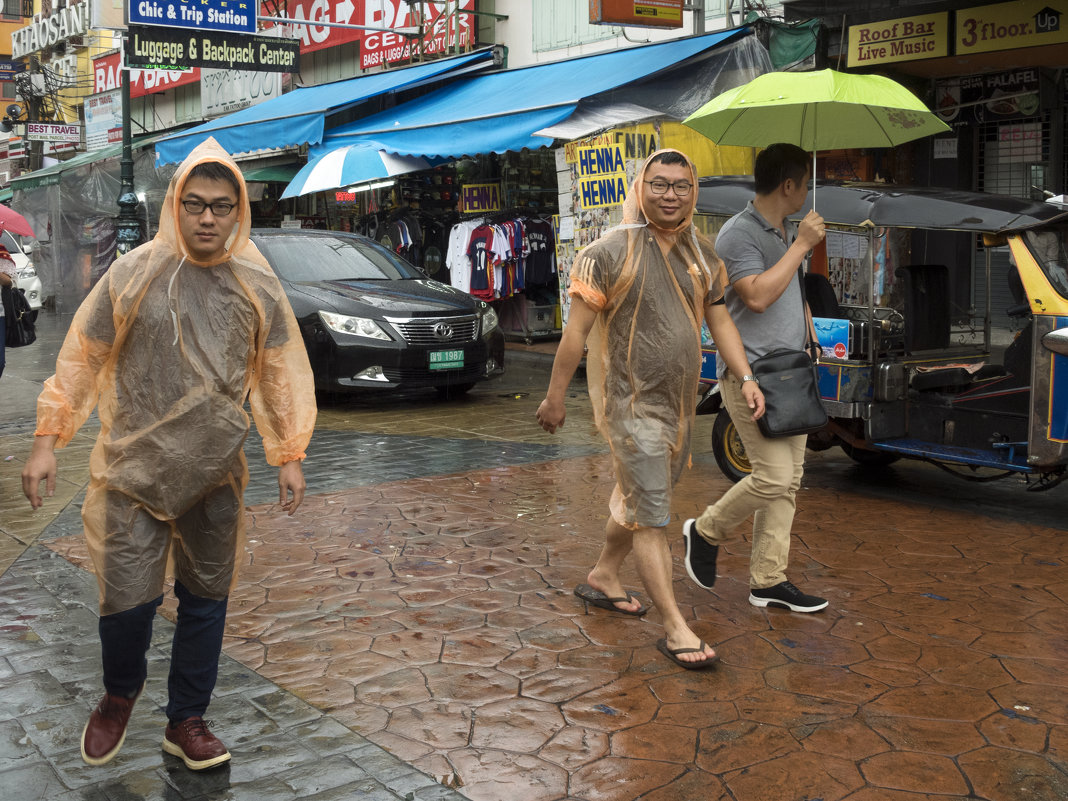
412 632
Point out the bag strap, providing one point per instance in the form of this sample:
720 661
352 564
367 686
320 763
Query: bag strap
812 343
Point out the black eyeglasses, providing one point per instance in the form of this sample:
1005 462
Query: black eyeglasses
217 209
659 187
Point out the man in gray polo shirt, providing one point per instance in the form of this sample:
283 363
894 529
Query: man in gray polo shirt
763 252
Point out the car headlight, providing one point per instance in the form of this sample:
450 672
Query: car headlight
28 271
357 326
489 318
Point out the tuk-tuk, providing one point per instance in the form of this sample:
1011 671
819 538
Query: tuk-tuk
943 322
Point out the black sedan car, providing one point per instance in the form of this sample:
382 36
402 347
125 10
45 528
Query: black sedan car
371 320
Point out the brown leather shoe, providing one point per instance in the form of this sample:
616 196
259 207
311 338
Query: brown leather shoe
197 747
105 732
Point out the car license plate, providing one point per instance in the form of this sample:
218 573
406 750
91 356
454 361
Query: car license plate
446 359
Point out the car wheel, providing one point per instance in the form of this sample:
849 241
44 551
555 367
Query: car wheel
867 458
449 391
728 449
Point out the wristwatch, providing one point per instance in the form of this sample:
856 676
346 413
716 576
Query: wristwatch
750 378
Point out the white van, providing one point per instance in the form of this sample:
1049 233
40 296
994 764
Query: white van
26 273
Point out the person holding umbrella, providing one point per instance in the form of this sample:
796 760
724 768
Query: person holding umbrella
763 252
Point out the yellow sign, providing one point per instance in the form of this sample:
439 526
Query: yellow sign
1007 26
637 141
602 176
904 39
480 197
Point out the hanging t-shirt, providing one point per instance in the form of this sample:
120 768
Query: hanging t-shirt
541 261
483 260
456 259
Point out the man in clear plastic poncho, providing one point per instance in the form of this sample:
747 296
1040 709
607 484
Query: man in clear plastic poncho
640 294
168 346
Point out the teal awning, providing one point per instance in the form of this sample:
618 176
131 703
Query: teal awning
50 176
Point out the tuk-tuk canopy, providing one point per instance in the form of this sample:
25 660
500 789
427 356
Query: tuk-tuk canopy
884 205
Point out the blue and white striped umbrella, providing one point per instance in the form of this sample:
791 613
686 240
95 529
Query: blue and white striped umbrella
351 164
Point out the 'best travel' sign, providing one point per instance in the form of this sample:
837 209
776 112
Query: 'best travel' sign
53 132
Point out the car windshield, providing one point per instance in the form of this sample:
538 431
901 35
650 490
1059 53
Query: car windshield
304 258
1050 247
9 242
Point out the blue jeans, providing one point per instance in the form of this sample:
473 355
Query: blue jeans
198 635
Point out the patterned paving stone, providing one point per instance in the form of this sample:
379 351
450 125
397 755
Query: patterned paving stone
426 605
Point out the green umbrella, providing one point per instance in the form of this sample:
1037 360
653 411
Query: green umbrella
823 110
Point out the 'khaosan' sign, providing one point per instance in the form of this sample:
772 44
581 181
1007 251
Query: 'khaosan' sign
602 176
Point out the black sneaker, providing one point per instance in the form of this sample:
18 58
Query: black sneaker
700 556
786 594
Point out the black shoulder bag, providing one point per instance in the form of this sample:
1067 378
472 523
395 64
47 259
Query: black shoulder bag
790 382
18 318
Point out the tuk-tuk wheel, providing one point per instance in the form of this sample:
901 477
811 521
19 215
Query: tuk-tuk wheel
868 458
728 449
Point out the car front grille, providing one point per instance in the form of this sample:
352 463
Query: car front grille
409 375
436 330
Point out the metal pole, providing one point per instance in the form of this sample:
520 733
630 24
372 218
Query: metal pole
129 228
698 7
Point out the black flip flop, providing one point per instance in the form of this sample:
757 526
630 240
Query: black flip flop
704 664
599 599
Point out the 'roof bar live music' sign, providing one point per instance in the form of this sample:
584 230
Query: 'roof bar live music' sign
234 16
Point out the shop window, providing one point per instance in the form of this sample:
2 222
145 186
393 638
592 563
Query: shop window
566 23
14 9
1014 157
331 64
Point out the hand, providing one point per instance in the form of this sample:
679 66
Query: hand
754 399
812 230
291 480
40 465
551 414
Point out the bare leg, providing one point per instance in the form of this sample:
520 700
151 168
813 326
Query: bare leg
618 542
654 567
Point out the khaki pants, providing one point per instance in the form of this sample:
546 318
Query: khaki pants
767 493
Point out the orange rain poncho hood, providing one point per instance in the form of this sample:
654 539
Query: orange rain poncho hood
169 348
645 347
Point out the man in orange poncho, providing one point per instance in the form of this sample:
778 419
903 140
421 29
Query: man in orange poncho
643 290
169 345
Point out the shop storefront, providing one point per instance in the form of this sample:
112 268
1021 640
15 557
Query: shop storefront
496 204
995 74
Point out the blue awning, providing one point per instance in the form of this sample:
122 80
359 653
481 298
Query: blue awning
500 111
299 117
